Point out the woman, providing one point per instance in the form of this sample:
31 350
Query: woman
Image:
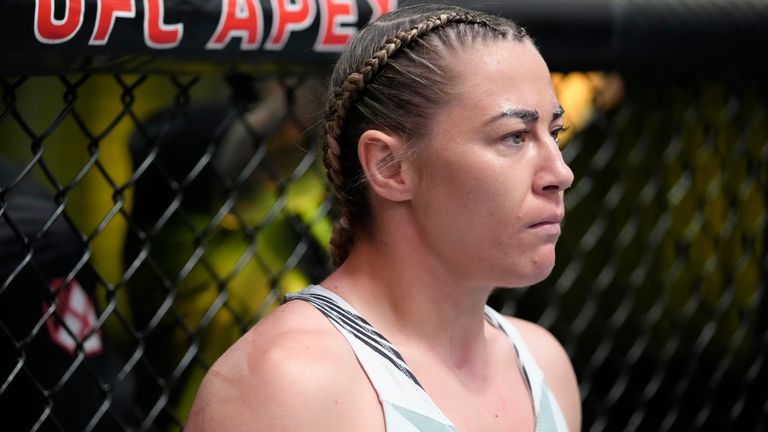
441 144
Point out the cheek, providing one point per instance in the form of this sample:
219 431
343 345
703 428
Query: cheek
459 188
480 205
500 199
492 188
449 198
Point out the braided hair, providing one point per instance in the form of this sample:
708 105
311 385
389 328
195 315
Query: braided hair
392 74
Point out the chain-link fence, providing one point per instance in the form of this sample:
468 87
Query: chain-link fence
148 239
660 290
148 219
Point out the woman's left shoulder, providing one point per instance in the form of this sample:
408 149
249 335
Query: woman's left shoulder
554 362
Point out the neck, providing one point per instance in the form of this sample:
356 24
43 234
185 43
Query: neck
407 295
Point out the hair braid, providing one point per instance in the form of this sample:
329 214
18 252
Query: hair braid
345 95
355 82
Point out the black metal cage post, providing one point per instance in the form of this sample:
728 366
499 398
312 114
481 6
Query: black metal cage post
160 190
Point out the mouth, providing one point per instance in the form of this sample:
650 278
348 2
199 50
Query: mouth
548 226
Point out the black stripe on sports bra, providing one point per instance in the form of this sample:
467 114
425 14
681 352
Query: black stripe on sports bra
352 323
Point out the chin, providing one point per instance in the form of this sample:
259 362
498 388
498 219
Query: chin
536 271
543 274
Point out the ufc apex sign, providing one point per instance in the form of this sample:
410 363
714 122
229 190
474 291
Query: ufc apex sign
251 24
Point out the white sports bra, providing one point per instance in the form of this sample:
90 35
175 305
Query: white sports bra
407 406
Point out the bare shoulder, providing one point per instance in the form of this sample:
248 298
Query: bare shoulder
558 370
291 372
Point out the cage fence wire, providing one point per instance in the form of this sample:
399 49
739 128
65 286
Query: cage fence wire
659 293
145 242
148 220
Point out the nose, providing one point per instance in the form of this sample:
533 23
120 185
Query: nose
553 174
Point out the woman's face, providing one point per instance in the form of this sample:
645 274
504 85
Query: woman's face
490 179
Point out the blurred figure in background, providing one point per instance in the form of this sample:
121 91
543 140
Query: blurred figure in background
58 369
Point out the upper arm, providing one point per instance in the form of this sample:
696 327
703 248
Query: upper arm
284 381
557 368
268 392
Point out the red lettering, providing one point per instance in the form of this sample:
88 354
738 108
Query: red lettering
49 30
289 16
380 7
158 34
106 12
239 18
333 13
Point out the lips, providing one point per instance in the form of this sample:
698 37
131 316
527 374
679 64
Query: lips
549 225
546 228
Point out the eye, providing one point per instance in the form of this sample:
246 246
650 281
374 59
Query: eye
556 133
516 138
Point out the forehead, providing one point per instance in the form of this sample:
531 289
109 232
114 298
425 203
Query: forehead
500 75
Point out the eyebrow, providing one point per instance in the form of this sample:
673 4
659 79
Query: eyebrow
525 115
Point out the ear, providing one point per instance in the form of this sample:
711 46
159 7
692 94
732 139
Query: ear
387 175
